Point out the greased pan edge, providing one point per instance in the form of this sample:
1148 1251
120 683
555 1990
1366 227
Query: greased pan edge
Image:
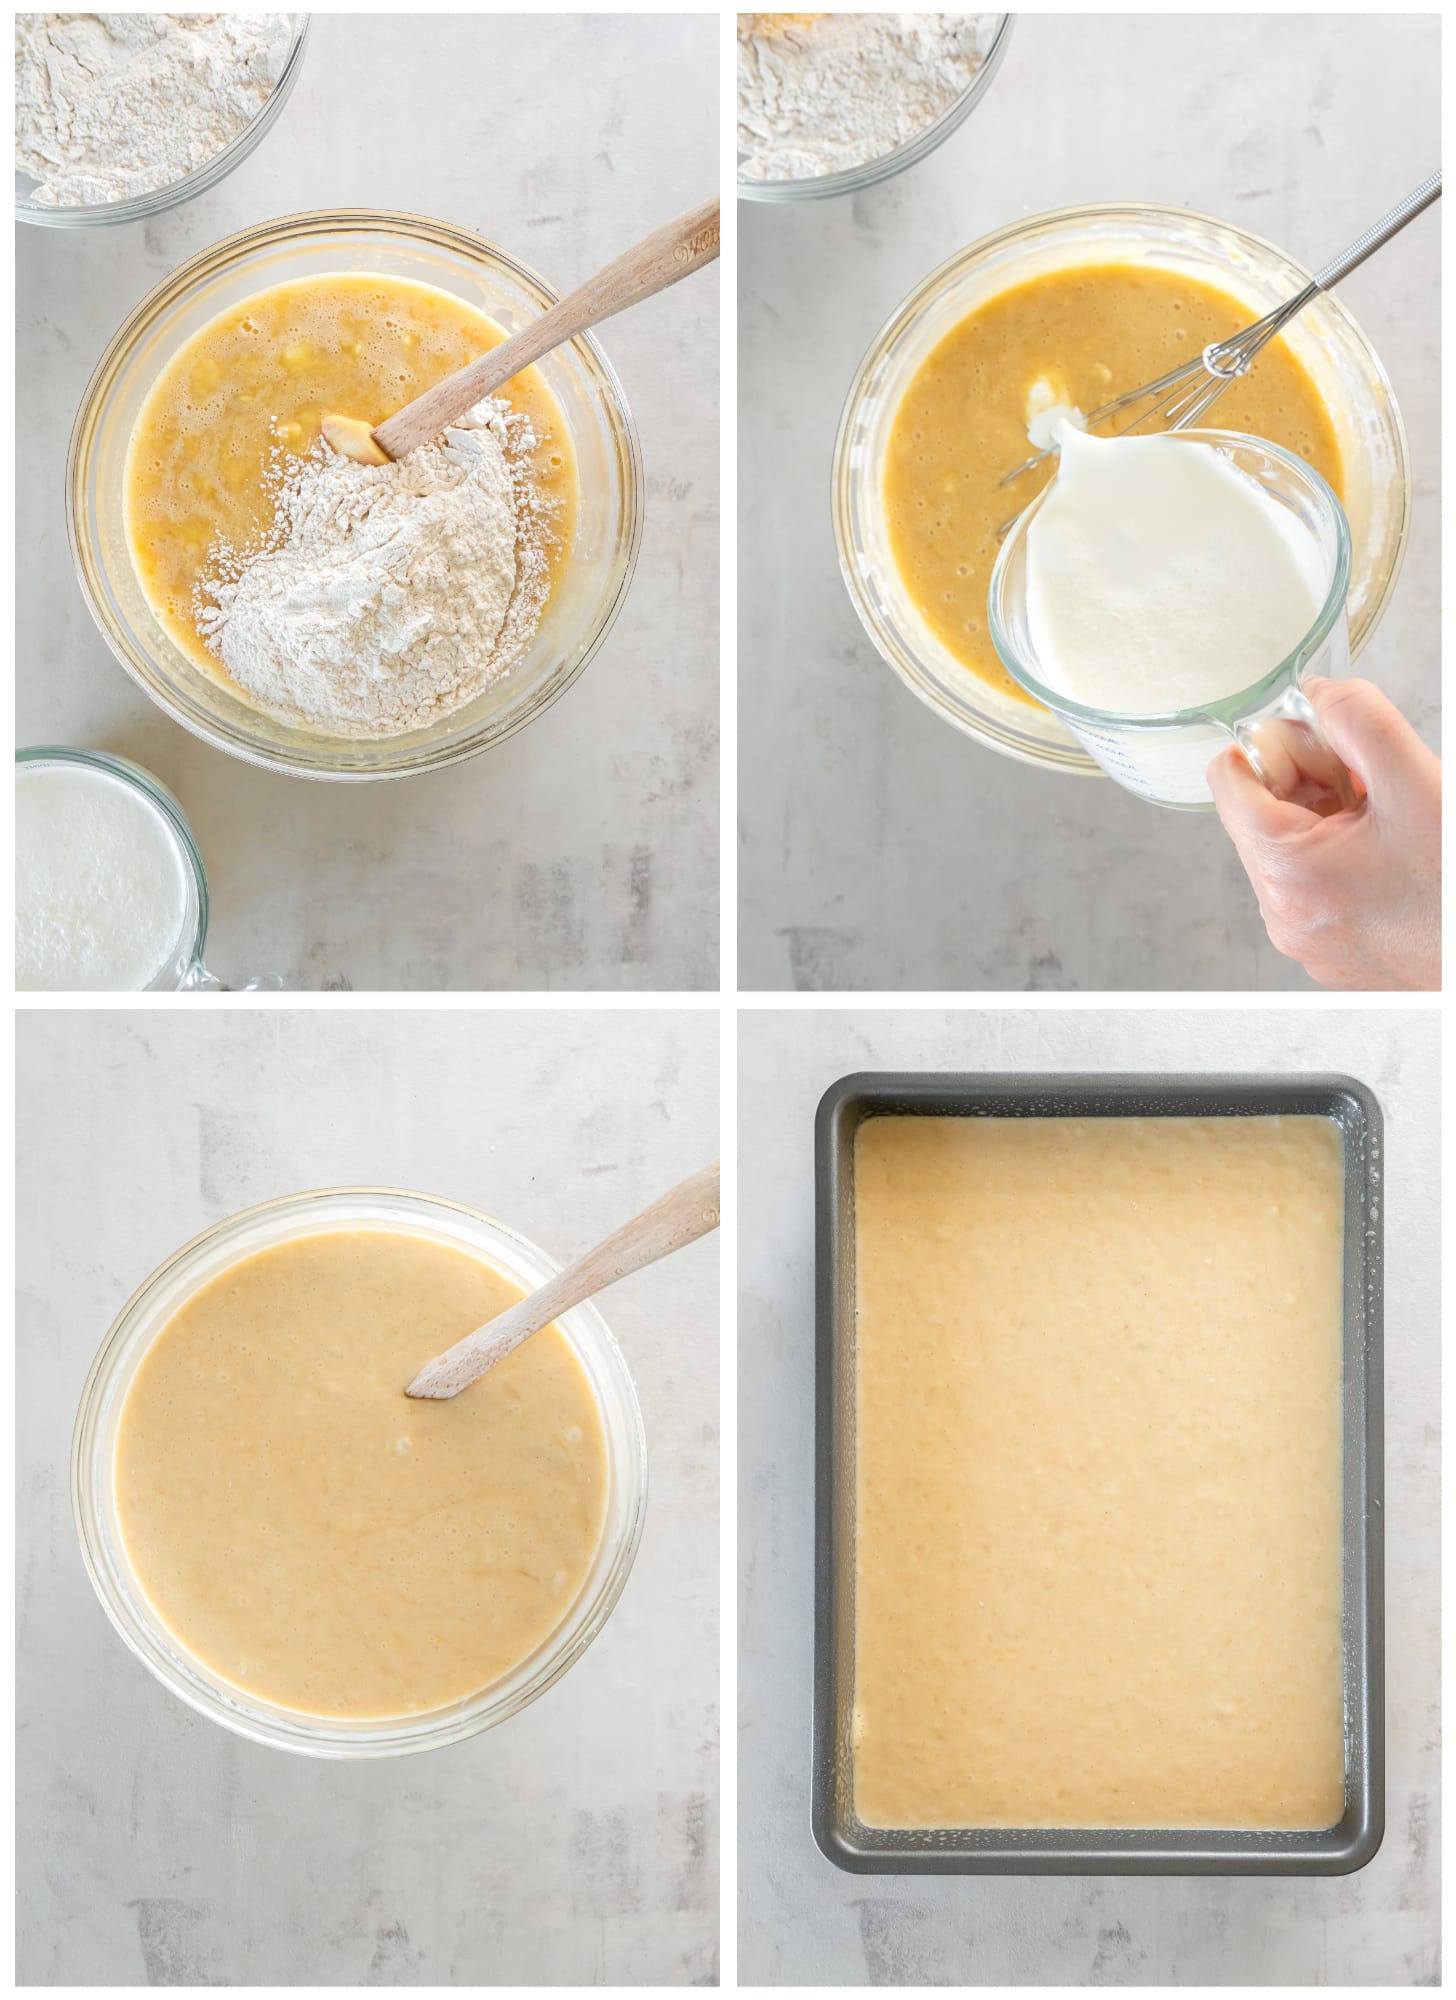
1100 1851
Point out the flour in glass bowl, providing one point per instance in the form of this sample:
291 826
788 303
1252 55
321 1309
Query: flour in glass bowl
112 106
385 597
823 93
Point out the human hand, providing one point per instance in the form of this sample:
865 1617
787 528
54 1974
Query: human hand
1355 896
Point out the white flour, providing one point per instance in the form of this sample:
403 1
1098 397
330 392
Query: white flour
111 106
387 596
820 93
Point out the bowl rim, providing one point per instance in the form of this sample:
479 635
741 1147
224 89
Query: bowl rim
281 231
1069 759
141 207
295 1731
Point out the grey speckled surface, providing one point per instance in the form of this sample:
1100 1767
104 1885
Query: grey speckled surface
880 849
574 1844
583 853
804 1922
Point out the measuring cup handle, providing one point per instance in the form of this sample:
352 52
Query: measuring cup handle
200 980
1315 777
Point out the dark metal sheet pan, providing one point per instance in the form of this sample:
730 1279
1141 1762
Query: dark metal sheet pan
1111 1851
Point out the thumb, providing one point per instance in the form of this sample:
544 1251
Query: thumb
1368 733
1252 817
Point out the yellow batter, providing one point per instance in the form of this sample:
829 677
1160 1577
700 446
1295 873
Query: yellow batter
266 373
312 1535
1098 1384
1077 337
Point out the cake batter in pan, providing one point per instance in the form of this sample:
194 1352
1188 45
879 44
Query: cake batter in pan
1158 1850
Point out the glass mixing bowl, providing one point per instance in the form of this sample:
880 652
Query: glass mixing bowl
1325 338
142 1319
141 207
593 580
853 179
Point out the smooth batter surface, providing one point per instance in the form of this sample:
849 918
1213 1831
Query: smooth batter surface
1098 1382
264 375
1086 334
317 1538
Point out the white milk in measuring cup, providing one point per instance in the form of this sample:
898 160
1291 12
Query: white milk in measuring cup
110 893
1165 596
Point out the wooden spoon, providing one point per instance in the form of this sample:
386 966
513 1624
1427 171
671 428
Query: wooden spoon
682 1216
658 261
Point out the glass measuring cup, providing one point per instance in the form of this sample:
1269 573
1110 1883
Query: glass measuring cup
183 970
1165 757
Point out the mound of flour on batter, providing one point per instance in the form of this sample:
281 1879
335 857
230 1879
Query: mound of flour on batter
385 597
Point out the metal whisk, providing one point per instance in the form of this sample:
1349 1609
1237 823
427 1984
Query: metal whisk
1188 393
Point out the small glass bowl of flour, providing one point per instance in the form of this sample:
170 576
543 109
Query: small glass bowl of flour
831 103
119 116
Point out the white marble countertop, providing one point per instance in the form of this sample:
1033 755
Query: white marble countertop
583 853
802 1921
880 849
575 1844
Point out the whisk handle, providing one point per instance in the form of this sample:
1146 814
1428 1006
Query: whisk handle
1381 233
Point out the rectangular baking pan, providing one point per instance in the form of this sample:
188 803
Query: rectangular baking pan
1098 1851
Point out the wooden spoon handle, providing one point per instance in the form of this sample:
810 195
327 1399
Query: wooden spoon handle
659 260
689 1211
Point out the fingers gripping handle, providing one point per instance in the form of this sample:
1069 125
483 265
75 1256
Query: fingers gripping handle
1292 757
